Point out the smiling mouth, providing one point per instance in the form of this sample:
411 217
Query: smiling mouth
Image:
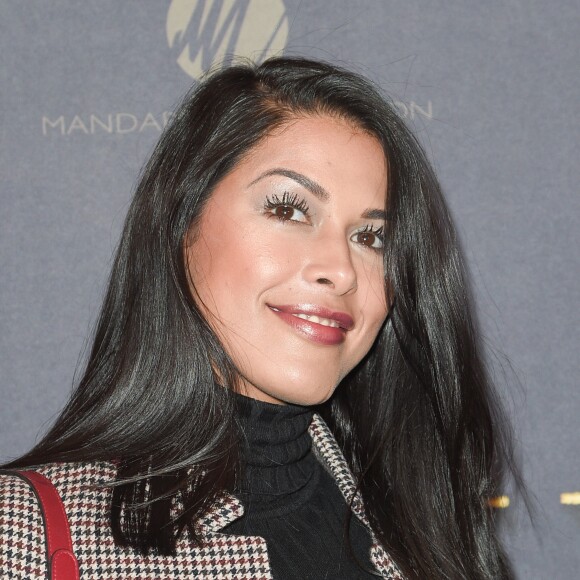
317 323
316 314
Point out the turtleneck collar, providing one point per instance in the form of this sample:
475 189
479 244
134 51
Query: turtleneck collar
276 449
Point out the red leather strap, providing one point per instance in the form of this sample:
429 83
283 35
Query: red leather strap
61 560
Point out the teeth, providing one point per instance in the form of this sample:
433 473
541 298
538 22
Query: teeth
318 320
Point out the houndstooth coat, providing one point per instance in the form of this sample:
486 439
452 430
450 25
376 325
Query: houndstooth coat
221 556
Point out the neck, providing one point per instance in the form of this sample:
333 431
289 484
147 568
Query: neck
276 448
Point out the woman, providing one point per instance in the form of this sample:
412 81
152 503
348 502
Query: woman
285 341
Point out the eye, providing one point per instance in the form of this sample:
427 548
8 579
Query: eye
289 208
370 237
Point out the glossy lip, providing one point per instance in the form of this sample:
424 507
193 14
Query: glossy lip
326 335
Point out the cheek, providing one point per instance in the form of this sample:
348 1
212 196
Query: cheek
373 294
231 270
218 251
209 260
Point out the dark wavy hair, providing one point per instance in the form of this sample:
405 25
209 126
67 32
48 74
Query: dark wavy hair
416 419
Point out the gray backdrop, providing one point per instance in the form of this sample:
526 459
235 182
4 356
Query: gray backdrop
491 88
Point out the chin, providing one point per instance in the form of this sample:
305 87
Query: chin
301 395
306 397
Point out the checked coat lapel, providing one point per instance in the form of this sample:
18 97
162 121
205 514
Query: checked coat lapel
87 504
330 455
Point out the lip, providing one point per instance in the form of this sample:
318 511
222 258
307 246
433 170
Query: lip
327 335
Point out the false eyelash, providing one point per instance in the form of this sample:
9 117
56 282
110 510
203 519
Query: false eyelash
291 200
379 232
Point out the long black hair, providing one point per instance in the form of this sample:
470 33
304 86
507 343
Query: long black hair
416 418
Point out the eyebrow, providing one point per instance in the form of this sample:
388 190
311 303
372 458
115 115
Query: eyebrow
317 190
313 187
374 214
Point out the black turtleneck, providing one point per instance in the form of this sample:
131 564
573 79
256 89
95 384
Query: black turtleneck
291 501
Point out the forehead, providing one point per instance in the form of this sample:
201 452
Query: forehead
333 151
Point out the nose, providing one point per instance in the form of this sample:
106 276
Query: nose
330 264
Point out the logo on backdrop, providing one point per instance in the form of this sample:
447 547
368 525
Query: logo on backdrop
123 123
103 123
203 33
209 32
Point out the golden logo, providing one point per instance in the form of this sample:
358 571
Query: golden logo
209 32
499 502
570 498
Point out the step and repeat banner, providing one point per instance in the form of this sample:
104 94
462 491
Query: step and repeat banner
491 89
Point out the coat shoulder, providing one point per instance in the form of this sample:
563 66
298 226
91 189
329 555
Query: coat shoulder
22 544
86 493
22 534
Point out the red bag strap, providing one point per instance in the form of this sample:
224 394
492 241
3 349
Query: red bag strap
62 564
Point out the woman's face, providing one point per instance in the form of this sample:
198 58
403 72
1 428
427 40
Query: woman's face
286 259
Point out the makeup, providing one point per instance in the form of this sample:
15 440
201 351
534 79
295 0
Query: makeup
316 323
